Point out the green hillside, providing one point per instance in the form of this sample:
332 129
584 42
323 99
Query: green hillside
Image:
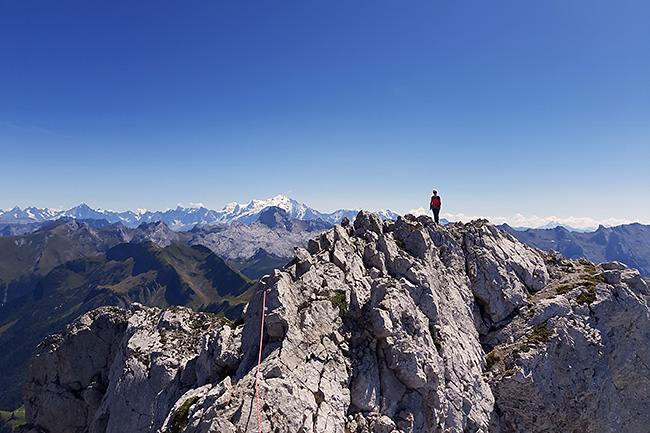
11 420
127 273
25 259
144 273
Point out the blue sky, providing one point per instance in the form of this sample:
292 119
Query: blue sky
537 108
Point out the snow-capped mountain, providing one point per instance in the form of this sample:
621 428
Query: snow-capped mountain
183 218
250 211
29 215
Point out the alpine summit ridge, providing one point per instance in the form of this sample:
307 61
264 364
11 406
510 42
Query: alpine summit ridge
377 326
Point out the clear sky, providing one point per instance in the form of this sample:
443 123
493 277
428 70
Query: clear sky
538 108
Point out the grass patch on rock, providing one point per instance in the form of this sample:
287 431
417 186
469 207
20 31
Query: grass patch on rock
491 359
337 298
540 335
587 297
11 420
339 301
181 417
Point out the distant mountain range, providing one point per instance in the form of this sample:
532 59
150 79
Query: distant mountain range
177 219
629 243
67 267
255 249
274 231
552 225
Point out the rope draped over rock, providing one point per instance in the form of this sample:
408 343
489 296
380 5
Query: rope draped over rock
259 361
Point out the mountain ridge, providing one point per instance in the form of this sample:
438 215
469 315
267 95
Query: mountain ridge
399 326
627 243
183 218
25 258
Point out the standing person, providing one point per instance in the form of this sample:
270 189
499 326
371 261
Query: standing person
435 205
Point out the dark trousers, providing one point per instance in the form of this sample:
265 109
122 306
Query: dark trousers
436 213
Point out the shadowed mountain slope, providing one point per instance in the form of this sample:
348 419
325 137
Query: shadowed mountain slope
24 259
126 274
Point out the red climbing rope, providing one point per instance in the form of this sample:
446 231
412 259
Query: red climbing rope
259 361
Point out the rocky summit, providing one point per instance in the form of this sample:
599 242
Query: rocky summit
377 327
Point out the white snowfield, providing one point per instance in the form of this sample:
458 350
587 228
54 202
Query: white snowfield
184 218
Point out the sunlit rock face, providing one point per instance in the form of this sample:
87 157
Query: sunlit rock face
377 327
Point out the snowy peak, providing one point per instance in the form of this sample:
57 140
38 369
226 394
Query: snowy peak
83 211
183 218
29 215
250 211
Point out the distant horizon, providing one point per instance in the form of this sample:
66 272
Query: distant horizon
516 221
506 107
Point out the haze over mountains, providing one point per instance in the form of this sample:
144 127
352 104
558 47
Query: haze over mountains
70 266
238 223
182 218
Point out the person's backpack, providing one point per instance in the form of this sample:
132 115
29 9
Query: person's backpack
435 202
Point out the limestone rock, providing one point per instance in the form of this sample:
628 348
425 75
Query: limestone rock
399 326
503 272
116 370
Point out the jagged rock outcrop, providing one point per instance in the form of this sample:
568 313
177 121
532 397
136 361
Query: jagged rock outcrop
122 370
580 361
158 233
377 327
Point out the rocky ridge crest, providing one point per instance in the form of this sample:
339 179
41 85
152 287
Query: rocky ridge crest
377 327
